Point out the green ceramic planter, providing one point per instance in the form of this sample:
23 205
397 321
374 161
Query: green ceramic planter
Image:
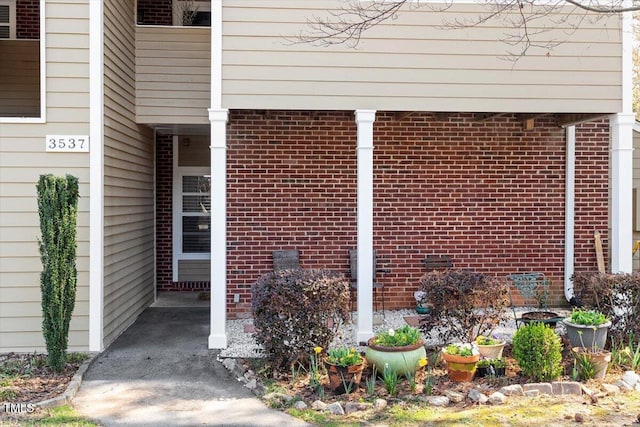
399 359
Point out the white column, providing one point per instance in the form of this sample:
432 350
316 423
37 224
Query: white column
621 126
621 191
96 177
218 118
218 331
364 120
569 211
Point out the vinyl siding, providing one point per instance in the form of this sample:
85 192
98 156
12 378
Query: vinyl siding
19 78
22 160
412 63
129 181
194 270
173 67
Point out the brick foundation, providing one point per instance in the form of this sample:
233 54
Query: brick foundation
489 195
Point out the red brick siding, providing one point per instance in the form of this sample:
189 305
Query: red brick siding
488 194
164 211
155 12
28 19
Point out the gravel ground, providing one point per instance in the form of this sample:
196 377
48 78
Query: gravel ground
242 344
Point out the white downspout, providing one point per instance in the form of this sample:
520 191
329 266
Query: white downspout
569 211
96 176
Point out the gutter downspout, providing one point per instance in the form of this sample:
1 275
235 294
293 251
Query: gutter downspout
569 211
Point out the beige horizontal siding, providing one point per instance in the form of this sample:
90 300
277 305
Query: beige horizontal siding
413 63
194 270
129 181
173 70
22 160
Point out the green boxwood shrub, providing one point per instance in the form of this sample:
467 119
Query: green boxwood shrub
296 310
538 351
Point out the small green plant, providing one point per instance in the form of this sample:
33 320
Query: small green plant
626 356
390 378
484 363
342 356
588 317
584 366
370 382
412 380
346 385
482 340
428 384
314 368
459 349
538 351
401 337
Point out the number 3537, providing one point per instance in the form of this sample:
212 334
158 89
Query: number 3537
67 143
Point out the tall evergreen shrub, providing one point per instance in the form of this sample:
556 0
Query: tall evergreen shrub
58 211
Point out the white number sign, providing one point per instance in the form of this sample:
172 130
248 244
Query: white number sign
67 143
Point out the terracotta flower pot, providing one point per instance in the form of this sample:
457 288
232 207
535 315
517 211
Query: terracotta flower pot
399 359
339 376
461 368
599 358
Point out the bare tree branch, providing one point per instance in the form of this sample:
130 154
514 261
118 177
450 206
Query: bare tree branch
347 24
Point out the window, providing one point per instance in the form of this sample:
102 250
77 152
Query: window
195 213
192 13
7 19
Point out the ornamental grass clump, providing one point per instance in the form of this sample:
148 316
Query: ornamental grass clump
295 310
538 351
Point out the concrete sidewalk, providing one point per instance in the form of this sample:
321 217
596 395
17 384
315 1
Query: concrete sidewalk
160 373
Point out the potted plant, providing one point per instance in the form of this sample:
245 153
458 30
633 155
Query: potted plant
587 325
422 304
344 369
461 361
491 368
399 349
590 362
490 347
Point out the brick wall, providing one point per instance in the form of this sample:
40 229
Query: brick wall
28 19
164 211
155 12
489 195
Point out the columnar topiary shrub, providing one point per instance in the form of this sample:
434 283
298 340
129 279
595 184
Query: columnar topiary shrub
58 211
296 310
464 303
538 351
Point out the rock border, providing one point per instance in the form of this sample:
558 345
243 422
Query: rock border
630 381
72 387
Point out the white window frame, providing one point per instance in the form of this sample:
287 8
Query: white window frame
178 173
12 18
200 6
43 73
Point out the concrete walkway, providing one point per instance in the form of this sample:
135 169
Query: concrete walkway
160 373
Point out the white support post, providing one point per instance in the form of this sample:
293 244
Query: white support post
364 120
621 126
218 331
621 192
218 118
569 211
